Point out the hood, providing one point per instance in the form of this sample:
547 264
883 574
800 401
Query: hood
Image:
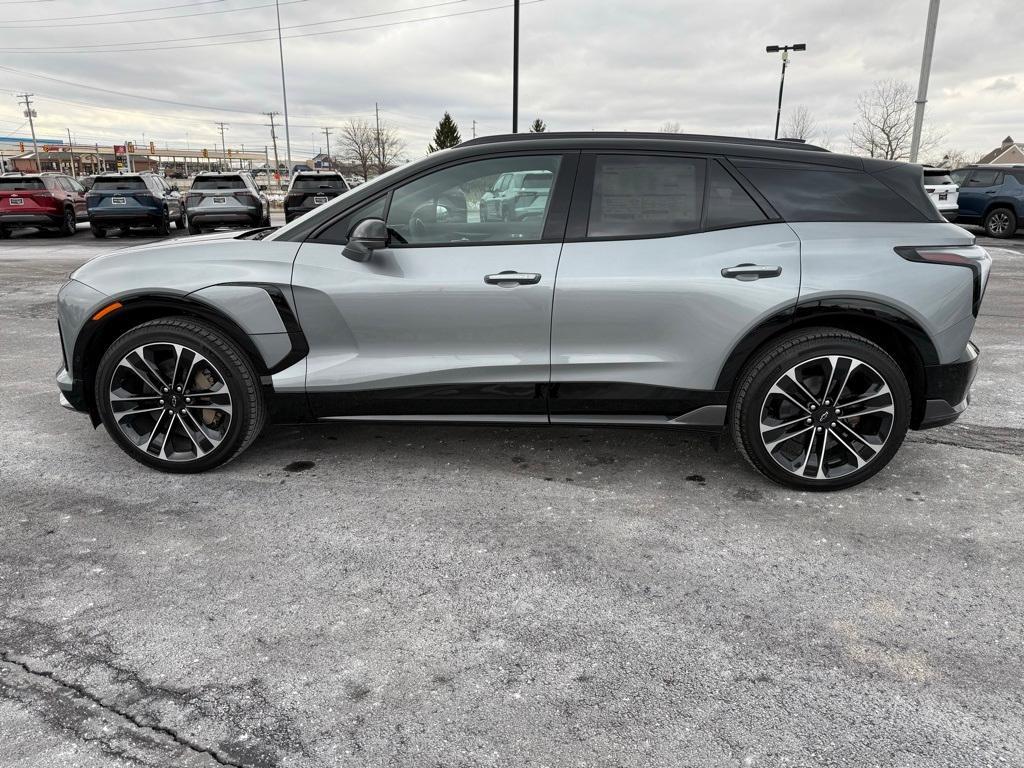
187 264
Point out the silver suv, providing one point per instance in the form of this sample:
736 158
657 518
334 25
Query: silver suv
814 306
218 199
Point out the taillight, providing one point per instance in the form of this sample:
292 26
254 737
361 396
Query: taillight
192 199
245 197
973 257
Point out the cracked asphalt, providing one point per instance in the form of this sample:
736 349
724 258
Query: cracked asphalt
372 595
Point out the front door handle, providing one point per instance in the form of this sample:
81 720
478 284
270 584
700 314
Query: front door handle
751 271
510 277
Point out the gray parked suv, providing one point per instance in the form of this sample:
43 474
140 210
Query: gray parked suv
219 199
815 306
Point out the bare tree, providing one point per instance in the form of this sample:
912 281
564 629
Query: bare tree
670 126
800 124
885 122
387 146
359 145
951 158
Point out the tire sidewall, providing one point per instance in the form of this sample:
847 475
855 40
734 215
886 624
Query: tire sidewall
1011 228
765 378
169 334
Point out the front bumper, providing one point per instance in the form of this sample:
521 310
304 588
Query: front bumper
948 389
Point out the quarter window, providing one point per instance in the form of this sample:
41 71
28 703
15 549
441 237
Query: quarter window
456 205
636 195
729 205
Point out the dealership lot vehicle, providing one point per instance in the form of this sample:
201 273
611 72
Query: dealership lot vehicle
123 201
699 286
225 199
992 196
309 189
517 196
48 201
942 190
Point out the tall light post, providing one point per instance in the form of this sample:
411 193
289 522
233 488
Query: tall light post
784 49
922 84
515 68
284 88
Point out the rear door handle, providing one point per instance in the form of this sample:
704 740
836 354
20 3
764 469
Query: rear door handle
510 277
751 271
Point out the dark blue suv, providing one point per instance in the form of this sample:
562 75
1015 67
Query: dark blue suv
992 196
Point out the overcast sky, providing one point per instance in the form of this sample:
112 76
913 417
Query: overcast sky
585 64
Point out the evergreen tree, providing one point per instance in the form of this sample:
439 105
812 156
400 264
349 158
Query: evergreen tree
445 135
538 126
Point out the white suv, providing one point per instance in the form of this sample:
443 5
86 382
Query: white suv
943 191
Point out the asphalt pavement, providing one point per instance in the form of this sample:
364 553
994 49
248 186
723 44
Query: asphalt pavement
383 595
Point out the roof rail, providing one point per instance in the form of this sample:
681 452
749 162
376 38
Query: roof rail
693 137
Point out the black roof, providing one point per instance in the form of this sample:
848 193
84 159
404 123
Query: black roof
731 146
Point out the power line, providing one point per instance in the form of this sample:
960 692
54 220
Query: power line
285 37
118 13
155 18
239 34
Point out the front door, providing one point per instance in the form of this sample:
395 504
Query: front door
978 190
453 318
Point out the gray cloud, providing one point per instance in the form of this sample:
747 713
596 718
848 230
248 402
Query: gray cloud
585 65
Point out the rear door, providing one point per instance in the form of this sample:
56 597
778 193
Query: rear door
453 319
978 190
669 260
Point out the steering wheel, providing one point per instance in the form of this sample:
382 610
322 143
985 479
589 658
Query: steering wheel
418 223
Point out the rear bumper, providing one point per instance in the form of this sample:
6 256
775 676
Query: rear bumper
31 219
948 389
950 214
224 217
145 217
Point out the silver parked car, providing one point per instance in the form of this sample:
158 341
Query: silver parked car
814 306
218 199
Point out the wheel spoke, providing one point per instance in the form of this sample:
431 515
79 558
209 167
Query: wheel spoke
856 456
199 437
163 420
884 390
142 372
809 398
771 443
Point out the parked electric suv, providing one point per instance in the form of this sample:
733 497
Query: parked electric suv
309 189
218 199
813 305
122 201
992 196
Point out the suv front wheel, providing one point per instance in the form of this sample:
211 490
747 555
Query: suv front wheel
821 409
179 396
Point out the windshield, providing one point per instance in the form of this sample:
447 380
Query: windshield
219 182
119 183
11 184
313 183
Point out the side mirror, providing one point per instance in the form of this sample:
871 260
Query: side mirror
366 236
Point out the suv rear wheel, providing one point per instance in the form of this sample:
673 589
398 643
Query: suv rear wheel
193 227
97 230
1000 222
69 224
821 409
163 227
179 396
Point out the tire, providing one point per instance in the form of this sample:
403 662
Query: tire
213 370
97 231
193 228
163 228
69 224
124 230
782 435
1000 222
180 223
4 233
266 218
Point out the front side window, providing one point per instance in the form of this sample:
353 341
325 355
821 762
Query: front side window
729 205
449 206
645 195
337 232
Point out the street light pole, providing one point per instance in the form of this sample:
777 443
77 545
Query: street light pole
515 68
30 114
922 85
223 145
784 49
284 88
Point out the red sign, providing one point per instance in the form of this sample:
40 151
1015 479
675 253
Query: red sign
119 149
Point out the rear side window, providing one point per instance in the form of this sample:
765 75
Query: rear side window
728 203
10 184
119 183
985 178
218 182
807 194
645 195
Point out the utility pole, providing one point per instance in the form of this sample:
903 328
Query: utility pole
380 152
284 88
922 85
273 138
515 68
474 129
71 149
784 49
327 133
31 114
223 146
